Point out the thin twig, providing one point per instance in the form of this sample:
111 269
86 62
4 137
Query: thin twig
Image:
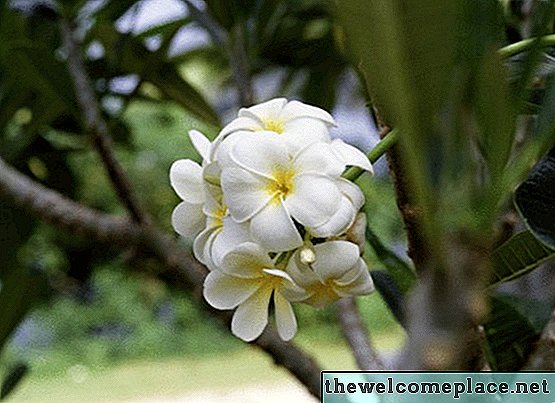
180 269
96 125
357 336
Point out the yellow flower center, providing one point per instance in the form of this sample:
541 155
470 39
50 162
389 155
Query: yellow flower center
322 294
273 125
219 215
282 184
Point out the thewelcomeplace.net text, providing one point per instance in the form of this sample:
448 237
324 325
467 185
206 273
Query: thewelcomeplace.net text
455 389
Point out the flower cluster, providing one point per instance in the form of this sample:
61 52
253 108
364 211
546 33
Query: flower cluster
270 214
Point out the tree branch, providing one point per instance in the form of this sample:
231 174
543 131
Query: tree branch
180 269
357 336
62 212
96 125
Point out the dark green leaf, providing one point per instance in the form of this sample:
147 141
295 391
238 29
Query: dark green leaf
518 256
21 289
535 199
391 295
400 272
509 336
10 381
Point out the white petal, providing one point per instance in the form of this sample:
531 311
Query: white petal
211 173
241 123
232 235
188 219
267 110
261 155
302 132
247 260
296 109
339 222
285 317
222 146
244 193
315 199
334 258
251 317
351 155
186 180
201 144
273 228
352 191
303 275
319 158
362 285
226 292
206 237
279 273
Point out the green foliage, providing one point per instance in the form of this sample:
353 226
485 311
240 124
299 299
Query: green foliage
511 330
535 199
518 256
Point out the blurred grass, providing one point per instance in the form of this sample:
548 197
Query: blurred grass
175 377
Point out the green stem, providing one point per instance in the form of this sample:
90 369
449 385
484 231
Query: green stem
526 44
380 149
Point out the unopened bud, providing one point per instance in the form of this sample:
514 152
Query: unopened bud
307 255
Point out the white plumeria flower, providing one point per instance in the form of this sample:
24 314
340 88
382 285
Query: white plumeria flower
264 184
247 281
337 271
297 123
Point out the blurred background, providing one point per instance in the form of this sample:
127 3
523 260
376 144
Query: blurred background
82 322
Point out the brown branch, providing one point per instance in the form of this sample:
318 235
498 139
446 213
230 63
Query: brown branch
62 212
448 303
543 356
357 336
96 125
180 269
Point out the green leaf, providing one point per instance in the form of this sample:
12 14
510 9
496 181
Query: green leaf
518 256
392 296
509 336
495 115
21 289
13 378
535 200
401 273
